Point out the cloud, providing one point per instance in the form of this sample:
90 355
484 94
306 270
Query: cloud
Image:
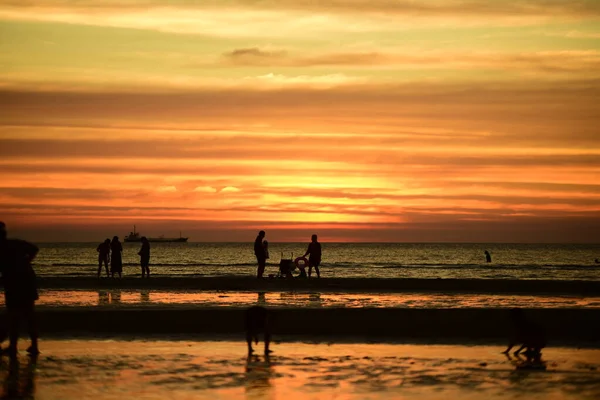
230 189
586 62
205 189
296 18
167 189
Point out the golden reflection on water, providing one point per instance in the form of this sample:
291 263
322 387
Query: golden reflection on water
115 297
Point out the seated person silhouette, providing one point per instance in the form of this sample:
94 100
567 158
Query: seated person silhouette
527 333
257 321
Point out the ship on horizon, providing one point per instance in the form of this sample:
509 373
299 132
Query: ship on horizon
136 237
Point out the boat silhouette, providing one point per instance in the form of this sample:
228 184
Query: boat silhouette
136 237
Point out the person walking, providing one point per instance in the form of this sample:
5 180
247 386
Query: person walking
20 289
144 254
259 252
103 250
314 249
116 257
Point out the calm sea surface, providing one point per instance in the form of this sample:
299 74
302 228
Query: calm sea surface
372 260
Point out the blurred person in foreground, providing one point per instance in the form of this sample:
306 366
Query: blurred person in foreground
20 289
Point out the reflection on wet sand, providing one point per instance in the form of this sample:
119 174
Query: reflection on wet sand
258 378
103 297
19 383
144 296
262 300
108 297
181 370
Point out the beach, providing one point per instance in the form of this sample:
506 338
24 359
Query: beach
434 332
218 369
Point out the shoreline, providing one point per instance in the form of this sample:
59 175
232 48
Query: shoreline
391 285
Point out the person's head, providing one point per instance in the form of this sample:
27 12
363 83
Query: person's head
107 241
265 243
486 252
144 239
313 238
115 239
262 234
3 233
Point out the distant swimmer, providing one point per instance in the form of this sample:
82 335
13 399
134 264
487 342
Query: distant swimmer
257 321
144 254
527 333
488 257
103 250
597 261
314 249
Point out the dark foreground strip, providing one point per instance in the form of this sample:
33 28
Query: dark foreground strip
487 286
575 325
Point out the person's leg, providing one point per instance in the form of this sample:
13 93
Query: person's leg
317 271
14 316
148 270
32 329
267 341
249 341
99 268
143 270
261 267
106 268
309 270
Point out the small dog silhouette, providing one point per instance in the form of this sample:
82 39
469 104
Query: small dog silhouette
257 321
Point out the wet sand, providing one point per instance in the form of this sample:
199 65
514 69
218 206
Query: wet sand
450 325
303 299
182 370
484 286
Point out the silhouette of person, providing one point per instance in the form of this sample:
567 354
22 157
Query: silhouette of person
103 250
259 252
597 261
314 249
144 254
488 256
20 289
257 321
116 259
531 336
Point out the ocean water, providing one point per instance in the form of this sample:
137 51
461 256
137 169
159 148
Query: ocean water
368 260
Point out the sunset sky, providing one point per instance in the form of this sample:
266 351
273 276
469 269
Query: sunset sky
360 120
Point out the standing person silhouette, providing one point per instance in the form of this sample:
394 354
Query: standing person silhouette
20 289
116 258
103 250
259 252
144 254
314 249
488 257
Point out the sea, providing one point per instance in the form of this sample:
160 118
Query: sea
356 260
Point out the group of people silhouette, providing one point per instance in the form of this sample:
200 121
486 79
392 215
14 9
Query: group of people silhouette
261 251
111 252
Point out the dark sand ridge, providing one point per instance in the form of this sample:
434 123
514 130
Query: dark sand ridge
484 286
575 326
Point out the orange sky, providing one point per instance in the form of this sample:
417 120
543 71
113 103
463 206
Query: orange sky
359 120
